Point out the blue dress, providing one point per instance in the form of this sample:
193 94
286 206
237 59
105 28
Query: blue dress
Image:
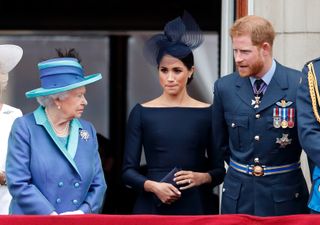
171 137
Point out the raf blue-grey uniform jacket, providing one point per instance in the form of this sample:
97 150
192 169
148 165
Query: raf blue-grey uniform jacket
309 131
245 133
44 176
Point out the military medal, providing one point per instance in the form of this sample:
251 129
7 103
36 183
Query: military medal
258 90
284 121
284 117
284 141
284 124
276 118
256 102
291 117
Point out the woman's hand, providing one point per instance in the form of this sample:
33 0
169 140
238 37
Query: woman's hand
167 193
189 179
76 212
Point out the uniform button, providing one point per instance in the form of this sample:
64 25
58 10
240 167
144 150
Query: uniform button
75 201
58 200
296 195
257 116
257 137
233 125
76 184
60 184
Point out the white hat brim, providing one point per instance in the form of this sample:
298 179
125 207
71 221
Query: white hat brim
10 55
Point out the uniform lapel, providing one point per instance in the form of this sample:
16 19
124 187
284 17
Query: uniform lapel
41 119
276 88
244 89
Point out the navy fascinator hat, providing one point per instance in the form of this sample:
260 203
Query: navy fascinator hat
180 37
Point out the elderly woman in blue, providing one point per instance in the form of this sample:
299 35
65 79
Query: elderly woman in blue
53 165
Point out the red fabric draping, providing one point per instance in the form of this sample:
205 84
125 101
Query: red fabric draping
159 220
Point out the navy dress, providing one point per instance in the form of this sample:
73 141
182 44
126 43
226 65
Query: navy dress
171 137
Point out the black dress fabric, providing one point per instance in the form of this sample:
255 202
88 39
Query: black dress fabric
171 137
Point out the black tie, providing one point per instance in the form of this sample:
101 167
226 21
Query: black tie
259 87
258 83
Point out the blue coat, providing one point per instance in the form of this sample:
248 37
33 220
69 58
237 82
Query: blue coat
245 133
309 131
44 176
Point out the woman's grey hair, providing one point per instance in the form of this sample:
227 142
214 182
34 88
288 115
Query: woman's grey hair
48 100
3 83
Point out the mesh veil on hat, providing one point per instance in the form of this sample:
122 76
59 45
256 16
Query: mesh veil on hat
10 55
180 37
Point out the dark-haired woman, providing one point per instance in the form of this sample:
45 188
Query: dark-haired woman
175 132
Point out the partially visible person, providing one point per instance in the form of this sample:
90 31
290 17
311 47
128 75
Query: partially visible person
53 164
174 130
105 154
308 100
10 55
255 124
107 161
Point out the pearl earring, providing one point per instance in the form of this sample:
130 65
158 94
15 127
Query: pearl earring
59 107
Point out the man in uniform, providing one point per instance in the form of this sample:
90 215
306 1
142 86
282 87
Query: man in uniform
254 123
309 125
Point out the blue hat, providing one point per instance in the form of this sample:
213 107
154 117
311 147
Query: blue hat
180 37
59 75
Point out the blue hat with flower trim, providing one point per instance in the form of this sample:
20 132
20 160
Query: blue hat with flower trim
180 37
59 75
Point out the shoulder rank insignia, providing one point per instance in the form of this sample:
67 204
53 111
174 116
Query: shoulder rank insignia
256 102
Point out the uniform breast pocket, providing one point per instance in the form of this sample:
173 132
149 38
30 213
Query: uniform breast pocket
238 130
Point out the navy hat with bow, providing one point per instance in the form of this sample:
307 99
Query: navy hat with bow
180 37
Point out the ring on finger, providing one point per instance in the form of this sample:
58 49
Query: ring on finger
189 181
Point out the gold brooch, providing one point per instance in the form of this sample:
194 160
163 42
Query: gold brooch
84 135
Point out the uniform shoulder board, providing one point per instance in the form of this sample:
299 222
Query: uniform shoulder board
314 61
